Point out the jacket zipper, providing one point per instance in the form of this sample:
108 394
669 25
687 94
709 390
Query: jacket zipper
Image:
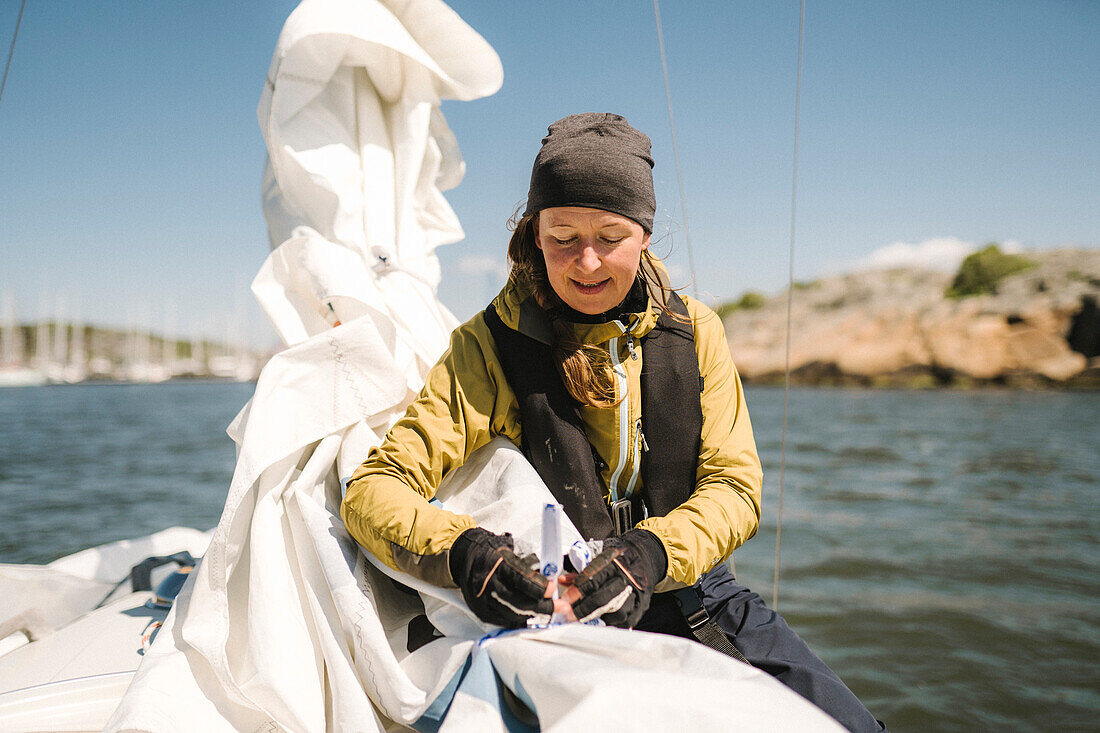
624 412
639 446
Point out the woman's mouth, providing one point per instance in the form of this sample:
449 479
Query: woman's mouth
591 287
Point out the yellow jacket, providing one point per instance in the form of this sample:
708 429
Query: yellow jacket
466 401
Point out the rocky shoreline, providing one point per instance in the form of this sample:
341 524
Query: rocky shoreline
1038 328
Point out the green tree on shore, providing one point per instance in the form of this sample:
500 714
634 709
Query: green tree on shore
980 271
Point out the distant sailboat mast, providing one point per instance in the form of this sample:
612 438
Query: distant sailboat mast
59 347
11 349
14 371
42 346
168 341
78 361
7 346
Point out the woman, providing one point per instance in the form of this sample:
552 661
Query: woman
625 399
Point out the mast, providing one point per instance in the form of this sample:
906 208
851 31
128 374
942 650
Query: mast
59 349
11 348
42 346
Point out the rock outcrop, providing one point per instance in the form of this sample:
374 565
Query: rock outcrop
1041 327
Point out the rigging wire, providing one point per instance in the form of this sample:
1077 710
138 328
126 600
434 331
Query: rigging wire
675 150
11 50
790 295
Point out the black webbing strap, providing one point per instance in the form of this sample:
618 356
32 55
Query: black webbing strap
705 631
141 575
672 411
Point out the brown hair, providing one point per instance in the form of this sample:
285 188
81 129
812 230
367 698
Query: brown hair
585 369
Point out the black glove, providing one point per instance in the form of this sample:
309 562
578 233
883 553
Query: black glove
618 584
499 586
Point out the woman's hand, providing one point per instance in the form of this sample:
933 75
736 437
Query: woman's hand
563 604
618 584
500 587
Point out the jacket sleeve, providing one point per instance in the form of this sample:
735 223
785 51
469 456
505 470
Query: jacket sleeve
464 403
724 510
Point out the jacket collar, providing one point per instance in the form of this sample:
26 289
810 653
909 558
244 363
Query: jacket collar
516 307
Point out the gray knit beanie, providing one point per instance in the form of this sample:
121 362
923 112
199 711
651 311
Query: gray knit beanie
597 160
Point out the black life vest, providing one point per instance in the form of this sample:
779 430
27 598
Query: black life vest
553 437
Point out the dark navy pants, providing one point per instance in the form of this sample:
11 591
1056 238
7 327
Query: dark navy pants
767 642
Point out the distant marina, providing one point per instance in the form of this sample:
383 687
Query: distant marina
66 352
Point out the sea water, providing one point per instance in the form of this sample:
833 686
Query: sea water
940 550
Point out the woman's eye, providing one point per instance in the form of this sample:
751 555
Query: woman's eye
564 242
612 240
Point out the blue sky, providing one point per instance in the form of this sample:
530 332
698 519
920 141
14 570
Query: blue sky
130 155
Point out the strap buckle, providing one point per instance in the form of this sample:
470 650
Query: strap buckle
691 605
704 630
622 514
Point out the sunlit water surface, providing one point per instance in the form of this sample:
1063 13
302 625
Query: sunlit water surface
939 549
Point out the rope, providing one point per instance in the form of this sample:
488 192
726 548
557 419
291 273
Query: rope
11 50
790 295
675 149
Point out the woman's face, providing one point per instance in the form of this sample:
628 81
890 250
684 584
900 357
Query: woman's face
592 256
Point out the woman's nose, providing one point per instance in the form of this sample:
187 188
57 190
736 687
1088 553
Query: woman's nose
588 259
